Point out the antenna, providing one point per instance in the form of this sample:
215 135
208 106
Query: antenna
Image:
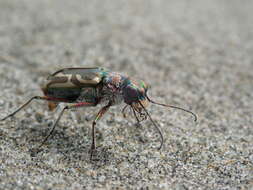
165 105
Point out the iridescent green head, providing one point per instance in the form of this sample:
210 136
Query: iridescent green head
135 92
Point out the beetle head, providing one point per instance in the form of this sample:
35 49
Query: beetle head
134 94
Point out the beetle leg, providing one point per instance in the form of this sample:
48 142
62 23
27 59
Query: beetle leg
81 104
157 128
24 105
123 111
136 117
98 116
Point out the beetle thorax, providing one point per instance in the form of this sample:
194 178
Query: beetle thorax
112 88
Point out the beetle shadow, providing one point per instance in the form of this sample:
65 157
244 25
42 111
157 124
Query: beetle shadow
72 147
101 156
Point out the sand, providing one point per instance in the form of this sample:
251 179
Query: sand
194 54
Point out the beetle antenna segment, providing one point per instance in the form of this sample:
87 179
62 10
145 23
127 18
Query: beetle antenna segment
158 129
165 105
52 130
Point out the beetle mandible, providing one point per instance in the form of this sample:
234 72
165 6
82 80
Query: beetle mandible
84 87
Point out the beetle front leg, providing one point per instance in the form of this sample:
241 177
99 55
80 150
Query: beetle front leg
98 116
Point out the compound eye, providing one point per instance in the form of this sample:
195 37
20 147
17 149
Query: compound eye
130 95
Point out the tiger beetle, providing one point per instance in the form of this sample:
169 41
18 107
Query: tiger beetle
84 87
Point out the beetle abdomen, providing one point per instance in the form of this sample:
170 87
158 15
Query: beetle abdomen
79 77
68 83
64 94
75 77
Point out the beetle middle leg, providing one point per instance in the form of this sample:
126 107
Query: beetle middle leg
98 116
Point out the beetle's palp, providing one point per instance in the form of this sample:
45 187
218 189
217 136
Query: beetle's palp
135 115
165 105
141 116
158 129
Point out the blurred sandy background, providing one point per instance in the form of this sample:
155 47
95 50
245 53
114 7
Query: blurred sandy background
195 54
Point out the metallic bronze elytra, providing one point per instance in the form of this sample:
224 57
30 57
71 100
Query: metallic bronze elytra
84 87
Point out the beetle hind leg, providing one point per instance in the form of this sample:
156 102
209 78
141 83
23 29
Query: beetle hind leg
24 105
